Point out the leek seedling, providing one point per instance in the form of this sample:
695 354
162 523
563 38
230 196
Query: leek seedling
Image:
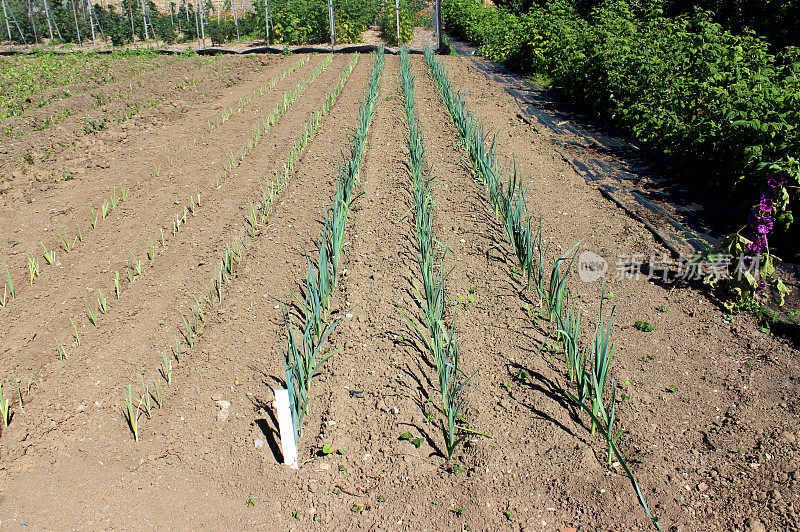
558 284
575 357
94 219
157 394
131 412
254 220
101 301
76 333
116 284
79 236
150 254
613 446
188 333
449 377
49 256
65 242
62 353
8 289
199 315
145 401
137 264
5 408
166 367
176 350
301 362
536 265
610 436
91 313
602 355
123 193
19 395
105 210
33 266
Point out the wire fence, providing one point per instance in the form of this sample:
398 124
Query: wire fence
214 22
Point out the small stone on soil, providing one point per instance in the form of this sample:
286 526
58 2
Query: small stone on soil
754 525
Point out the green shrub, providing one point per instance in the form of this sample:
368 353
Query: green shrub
720 103
388 21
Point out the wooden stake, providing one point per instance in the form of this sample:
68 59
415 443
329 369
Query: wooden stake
5 17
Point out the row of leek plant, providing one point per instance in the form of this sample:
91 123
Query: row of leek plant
133 270
304 353
136 404
505 195
440 339
281 106
231 257
225 114
67 243
588 368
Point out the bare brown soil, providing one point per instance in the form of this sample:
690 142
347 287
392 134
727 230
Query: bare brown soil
711 419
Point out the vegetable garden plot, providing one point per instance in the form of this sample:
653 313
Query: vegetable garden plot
35 140
33 83
147 219
54 107
195 341
74 230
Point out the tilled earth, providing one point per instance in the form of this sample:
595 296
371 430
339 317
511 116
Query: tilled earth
710 414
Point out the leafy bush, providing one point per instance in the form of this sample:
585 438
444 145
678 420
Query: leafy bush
164 29
718 102
388 21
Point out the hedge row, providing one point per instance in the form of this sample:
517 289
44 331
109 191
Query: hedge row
720 103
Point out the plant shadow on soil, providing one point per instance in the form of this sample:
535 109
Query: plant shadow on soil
420 402
541 384
268 425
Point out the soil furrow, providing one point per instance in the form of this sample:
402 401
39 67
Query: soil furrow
75 149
